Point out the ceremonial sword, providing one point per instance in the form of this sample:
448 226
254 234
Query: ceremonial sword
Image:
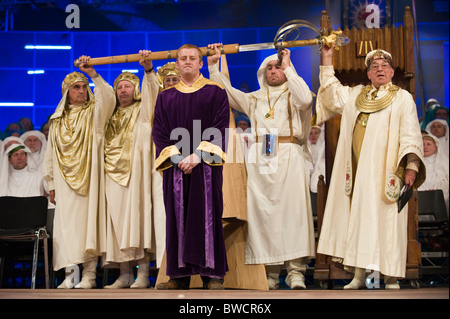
280 42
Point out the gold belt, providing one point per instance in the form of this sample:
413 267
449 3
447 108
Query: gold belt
284 139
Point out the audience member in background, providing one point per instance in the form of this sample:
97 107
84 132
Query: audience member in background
437 166
13 129
317 142
440 129
44 129
5 144
37 143
26 123
17 179
434 110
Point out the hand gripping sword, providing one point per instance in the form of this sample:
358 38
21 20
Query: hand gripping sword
280 42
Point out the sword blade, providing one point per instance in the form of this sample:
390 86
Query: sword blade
256 47
271 45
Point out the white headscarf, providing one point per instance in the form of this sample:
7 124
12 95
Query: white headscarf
262 94
2 149
444 140
437 168
36 159
6 167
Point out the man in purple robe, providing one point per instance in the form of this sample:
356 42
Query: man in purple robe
189 134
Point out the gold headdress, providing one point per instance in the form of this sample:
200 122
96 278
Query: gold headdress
169 68
68 81
133 79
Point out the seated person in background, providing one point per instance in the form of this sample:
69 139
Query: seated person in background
434 111
439 128
13 129
26 123
17 179
316 140
37 143
436 164
6 143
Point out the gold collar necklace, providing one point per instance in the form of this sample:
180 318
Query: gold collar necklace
365 105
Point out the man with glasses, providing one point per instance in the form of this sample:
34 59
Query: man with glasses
379 152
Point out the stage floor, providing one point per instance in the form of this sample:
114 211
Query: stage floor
421 293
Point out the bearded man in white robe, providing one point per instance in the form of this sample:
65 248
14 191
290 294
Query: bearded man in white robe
379 151
133 225
37 143
73 169
280 222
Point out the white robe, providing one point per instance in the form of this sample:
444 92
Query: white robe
280 223
443 140
25 183
437 166
363 228
36 159
77 235
135 213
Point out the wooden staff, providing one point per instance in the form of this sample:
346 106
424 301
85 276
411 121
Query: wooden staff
225 49
159 55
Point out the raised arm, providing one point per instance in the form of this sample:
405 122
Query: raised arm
238 100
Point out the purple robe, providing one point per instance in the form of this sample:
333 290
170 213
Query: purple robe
193 202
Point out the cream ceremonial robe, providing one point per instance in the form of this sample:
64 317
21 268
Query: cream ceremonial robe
77 221
361 225
136 219
280 224
25 183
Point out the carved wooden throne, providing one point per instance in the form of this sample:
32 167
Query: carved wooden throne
349 65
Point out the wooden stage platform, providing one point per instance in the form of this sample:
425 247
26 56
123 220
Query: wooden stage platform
231 294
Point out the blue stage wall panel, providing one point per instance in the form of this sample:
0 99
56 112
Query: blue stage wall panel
44 90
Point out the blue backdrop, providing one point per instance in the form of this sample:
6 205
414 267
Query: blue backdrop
42 90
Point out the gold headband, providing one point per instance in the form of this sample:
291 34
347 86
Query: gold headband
378 54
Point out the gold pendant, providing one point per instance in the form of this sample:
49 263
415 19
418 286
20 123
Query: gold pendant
364 122
269 115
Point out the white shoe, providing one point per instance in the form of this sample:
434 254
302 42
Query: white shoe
88 275
298 284
124 281
142 280
355 284
86 283
358 281
391 283
68 283
274 283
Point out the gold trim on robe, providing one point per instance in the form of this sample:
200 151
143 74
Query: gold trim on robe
119 141
162 162
197 85
72 137
212 149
